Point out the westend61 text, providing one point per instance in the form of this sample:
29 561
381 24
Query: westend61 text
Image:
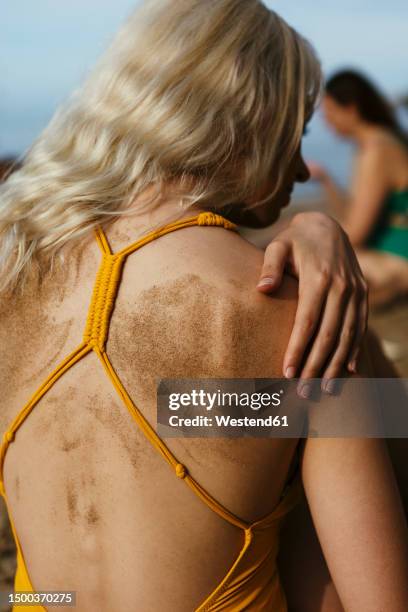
227 421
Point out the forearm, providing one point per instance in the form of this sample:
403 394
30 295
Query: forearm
397 447
358 515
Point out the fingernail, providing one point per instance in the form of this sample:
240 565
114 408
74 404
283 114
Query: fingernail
305 390
353 366
290 372
268 280
329 386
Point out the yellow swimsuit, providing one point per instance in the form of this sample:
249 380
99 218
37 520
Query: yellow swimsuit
252 583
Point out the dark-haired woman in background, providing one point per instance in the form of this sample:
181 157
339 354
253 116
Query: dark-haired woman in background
375 214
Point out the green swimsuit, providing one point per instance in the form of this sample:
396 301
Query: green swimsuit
391 231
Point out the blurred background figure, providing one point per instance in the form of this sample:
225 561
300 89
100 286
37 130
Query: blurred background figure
375 211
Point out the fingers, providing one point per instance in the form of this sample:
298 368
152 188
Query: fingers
276 257
342 352
346 309
312 295
361 329
332 295
327 337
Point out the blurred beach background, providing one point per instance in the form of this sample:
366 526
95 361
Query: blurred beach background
48 47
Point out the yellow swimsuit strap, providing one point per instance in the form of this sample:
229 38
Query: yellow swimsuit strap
97 326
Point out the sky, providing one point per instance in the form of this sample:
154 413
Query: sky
48 46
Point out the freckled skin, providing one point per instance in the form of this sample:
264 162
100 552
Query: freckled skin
105 509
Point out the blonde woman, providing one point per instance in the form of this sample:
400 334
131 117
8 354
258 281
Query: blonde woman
121 264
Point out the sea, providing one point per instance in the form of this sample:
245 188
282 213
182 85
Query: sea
19 128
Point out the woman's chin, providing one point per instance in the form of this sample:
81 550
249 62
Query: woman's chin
256 219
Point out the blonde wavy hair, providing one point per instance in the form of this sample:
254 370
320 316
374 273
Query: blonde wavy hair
215 90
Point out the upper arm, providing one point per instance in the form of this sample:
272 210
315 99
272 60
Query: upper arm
369 190
354 502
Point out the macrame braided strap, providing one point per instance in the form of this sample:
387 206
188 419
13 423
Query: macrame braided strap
210 218
108 277
103 300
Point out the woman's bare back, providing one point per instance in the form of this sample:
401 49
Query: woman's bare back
96 508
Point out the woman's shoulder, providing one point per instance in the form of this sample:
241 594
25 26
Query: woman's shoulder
254 327
382 142
382 156
202 288
228 261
